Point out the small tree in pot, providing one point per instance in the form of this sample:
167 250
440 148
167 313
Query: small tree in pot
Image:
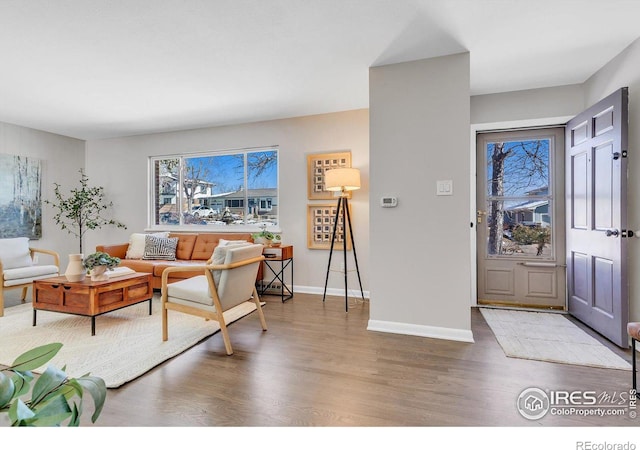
82 210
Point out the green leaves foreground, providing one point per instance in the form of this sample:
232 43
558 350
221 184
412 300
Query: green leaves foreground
55 398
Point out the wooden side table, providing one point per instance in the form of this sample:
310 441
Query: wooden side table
277 260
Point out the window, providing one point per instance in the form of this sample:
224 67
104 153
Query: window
212 189
519 203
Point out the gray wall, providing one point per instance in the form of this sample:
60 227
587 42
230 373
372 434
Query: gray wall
420 250
523 106
121 166
62 157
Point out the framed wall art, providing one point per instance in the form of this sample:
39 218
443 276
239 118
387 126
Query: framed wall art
320 221
20 197
317 165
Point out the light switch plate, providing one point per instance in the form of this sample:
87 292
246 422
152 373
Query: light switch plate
444 187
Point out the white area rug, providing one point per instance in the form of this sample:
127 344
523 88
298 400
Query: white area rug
548 337
128 342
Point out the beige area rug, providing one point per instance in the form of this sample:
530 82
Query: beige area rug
127 344
548 337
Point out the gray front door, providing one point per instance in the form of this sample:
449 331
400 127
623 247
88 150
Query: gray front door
596 165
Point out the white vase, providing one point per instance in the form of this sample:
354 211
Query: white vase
75 270
98 273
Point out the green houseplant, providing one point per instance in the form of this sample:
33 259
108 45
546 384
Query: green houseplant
276 241
100 259
263 237
82 210
55 399
98 263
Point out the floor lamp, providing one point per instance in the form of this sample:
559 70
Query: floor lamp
343 181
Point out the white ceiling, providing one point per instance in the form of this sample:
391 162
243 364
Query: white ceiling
102 68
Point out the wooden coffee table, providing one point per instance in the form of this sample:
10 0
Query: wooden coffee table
91 298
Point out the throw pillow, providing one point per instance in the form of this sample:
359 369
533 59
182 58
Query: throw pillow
137 244
224 242
14 253
160 248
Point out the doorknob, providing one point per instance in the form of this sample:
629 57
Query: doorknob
479 215
612 233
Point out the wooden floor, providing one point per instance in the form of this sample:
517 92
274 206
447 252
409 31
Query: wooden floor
318 366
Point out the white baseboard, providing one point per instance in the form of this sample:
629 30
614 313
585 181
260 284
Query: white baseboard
353 291
450 334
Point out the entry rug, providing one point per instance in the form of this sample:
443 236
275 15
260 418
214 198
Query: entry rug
548 337
127 344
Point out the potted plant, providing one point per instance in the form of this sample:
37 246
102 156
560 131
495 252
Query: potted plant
82 210
55 398
99 262
264 237
276 241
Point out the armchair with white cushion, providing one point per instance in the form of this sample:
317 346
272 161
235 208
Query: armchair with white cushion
227 280
18 268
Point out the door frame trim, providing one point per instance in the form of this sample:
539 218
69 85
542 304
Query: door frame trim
484 127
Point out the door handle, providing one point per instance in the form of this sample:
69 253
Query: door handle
612 233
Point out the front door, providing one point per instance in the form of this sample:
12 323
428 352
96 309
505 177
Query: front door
520 218
596 217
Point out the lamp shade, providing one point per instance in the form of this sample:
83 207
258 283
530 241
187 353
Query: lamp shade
347 179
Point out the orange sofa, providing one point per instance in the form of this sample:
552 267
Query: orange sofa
193 249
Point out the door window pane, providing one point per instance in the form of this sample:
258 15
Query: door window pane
518 199
519 227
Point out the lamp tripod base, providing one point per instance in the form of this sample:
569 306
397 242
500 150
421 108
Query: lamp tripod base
344 207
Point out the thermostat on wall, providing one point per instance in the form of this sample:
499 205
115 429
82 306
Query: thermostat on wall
388 202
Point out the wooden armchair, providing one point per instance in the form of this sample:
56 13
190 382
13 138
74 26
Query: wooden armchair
227 280
17 268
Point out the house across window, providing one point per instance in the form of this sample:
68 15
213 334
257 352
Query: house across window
217 189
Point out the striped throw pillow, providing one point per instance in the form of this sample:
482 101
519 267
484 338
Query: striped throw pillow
160 248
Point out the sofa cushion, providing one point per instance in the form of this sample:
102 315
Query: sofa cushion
30 272
159 266
194 289
160 248
185 244
137 244
206 242
223 242
14 252
19 281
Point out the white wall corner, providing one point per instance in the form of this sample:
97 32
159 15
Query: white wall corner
450 334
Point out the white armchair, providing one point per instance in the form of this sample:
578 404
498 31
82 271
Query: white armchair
17 267
228 280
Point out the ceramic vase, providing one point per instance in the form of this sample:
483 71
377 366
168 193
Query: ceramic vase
75 270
